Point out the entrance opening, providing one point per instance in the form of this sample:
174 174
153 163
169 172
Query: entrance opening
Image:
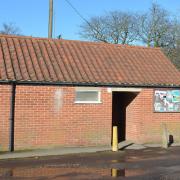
120 101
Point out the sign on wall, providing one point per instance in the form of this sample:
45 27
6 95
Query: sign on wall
167 100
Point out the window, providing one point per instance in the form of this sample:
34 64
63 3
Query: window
87 96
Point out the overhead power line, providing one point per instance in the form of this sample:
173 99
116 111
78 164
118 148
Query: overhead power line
81 16
77 12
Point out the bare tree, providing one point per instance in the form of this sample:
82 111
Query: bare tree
156 27
173 50
10 28
115 27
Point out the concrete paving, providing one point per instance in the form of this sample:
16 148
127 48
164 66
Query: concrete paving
73 150
130 145
66 150
52 152
153 145
136 147
125 144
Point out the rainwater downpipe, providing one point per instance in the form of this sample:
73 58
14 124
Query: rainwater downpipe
12 117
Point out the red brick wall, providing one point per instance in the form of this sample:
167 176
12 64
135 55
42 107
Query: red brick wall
4 116
145 126
47 116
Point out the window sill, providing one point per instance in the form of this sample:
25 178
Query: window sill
88 102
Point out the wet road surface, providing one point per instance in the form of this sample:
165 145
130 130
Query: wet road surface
150 163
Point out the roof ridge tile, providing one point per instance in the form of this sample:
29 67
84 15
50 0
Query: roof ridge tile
80 41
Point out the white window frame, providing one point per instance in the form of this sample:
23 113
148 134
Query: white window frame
88 102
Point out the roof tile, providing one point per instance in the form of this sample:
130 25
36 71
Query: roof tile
51 60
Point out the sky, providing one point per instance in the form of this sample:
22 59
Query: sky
31 16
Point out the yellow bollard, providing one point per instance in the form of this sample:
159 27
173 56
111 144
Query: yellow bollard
115 139
114 172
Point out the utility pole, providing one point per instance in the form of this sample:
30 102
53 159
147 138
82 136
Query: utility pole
50 26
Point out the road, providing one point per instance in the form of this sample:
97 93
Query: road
150 164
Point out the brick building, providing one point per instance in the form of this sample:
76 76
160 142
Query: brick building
71 93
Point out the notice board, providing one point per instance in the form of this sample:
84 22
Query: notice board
166 100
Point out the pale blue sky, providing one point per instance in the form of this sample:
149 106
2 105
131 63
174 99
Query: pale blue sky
31 16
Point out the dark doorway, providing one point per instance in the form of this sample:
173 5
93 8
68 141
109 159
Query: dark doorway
120 101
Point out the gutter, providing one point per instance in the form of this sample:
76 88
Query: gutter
85 84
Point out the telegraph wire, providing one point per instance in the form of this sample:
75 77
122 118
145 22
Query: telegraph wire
81 16
77 12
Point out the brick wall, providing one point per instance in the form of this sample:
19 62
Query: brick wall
4 116
47 116
145 126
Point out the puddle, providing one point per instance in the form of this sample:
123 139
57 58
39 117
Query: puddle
62 165
127 172
134 157
94 166
60 171
147 150
128 159
162 152
115 161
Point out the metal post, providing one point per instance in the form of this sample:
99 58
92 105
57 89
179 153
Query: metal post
114 172
11 117
115 139
50 19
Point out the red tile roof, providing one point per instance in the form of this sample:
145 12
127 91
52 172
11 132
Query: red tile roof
27 59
